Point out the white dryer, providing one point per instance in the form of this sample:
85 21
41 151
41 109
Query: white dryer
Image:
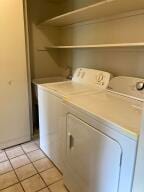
102 134
52 112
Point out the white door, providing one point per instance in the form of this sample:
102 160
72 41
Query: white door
14 105
92 160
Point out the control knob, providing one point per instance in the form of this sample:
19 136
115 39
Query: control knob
99 78
140 86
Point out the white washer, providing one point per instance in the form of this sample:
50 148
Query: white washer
52 116
102 134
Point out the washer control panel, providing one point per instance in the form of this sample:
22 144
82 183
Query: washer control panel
92 77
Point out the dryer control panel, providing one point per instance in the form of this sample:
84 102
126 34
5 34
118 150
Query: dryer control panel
128 85
92 77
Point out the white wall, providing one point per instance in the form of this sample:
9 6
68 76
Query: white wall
119 61
127 62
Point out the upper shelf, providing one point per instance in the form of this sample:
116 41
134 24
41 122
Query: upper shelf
118 45
95 11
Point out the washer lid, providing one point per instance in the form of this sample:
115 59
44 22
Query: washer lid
83 80
68 88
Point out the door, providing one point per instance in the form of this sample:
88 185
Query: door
14 105
92 160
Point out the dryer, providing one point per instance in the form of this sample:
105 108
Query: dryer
52 113
102 135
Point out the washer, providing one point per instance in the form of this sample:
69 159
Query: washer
102 134
52 116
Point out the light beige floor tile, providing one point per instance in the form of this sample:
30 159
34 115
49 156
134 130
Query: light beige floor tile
25 171
3 157
37 142
1 150
8 179
28 147
51 175
14 188
36 155
44 190
58 187
14 152
33 184
20 161
43 164
5 167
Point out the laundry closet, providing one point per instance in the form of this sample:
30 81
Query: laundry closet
57 37
103 35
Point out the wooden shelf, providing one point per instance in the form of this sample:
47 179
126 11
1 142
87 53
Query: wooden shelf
94 46
95 11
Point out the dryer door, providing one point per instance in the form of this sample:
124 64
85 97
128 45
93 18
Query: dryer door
92 160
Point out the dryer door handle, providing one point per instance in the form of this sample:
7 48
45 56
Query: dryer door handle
71 140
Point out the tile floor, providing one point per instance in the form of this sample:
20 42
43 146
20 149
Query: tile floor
25 168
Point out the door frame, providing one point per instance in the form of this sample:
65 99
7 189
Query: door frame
26 25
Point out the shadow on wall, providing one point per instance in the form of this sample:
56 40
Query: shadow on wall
43 64
43 9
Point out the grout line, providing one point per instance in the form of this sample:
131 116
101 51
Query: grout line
36 169
43 171
12 147
55 182
13 169
21 165
29 176
22 186
6 157
6 172
24 153
10 186
15 174
52 167
30 151
42 189
4 161
26 163
35 160
31 162
15 157
50 161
